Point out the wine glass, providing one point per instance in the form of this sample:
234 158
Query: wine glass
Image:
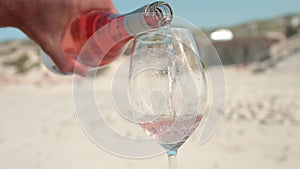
167 86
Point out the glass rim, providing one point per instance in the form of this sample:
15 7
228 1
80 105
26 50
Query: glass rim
157 30
160 31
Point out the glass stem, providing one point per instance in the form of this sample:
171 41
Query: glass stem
172 159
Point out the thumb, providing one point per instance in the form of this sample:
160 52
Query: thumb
63 65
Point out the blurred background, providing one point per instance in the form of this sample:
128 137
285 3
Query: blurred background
259 44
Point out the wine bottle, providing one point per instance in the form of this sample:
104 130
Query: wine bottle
113 31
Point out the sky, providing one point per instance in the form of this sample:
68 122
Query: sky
204 14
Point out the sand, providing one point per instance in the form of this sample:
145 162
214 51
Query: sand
260 127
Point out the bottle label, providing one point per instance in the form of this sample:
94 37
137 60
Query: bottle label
135 24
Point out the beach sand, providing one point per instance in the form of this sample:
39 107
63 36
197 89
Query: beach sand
260 127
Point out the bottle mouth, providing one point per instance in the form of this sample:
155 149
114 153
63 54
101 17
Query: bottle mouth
162 11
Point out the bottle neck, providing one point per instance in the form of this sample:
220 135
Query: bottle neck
151 16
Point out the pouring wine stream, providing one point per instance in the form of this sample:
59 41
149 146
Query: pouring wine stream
171 70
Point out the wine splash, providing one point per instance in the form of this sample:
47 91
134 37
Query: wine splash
169 132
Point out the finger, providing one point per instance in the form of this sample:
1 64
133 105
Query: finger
69 64
61 63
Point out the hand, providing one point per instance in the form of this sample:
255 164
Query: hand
44 22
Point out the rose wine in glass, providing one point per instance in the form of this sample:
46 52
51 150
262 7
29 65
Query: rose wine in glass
171 133
167 86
